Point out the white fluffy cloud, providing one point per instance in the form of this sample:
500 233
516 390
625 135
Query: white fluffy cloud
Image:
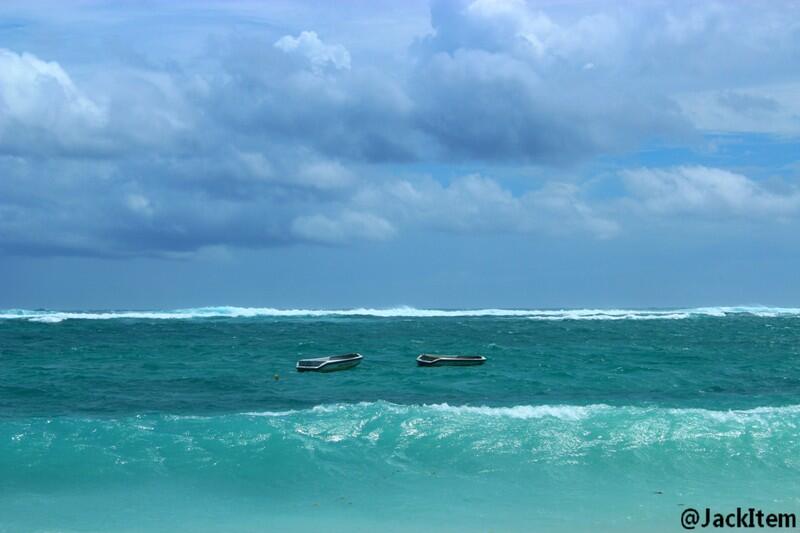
476 203
519 28
39 102
706 191
317 52
468 204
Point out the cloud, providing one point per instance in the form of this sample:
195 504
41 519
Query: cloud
324 175
94 207
504 81
739 101
706 191
349 115
40 105
251 135
45 112
653 82
139 204
475 203
342 228
763 108
318 53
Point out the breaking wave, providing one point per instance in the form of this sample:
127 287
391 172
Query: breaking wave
48 316
438 434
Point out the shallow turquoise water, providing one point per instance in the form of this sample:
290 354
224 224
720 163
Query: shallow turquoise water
617 422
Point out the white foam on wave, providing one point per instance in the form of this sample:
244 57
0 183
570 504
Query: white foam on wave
402 312
583 412
527 412
564 412
47 319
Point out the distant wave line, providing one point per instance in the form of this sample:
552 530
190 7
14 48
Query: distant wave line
50 316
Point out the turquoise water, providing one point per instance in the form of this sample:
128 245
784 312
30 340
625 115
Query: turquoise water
579 421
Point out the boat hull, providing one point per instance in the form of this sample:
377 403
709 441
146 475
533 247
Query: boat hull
332 367
329 364
450 361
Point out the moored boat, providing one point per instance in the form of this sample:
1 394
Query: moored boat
426 359
330 363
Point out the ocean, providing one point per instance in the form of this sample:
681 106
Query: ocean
581 420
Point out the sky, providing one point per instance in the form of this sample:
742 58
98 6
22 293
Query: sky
448 154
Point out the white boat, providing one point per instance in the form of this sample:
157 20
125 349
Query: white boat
426 359
330 363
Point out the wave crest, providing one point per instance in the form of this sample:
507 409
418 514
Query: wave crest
47 316
527 412
437 434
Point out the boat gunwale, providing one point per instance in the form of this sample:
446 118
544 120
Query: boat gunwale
426 359
434 357
328 360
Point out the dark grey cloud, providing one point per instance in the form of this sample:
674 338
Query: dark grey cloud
274 96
